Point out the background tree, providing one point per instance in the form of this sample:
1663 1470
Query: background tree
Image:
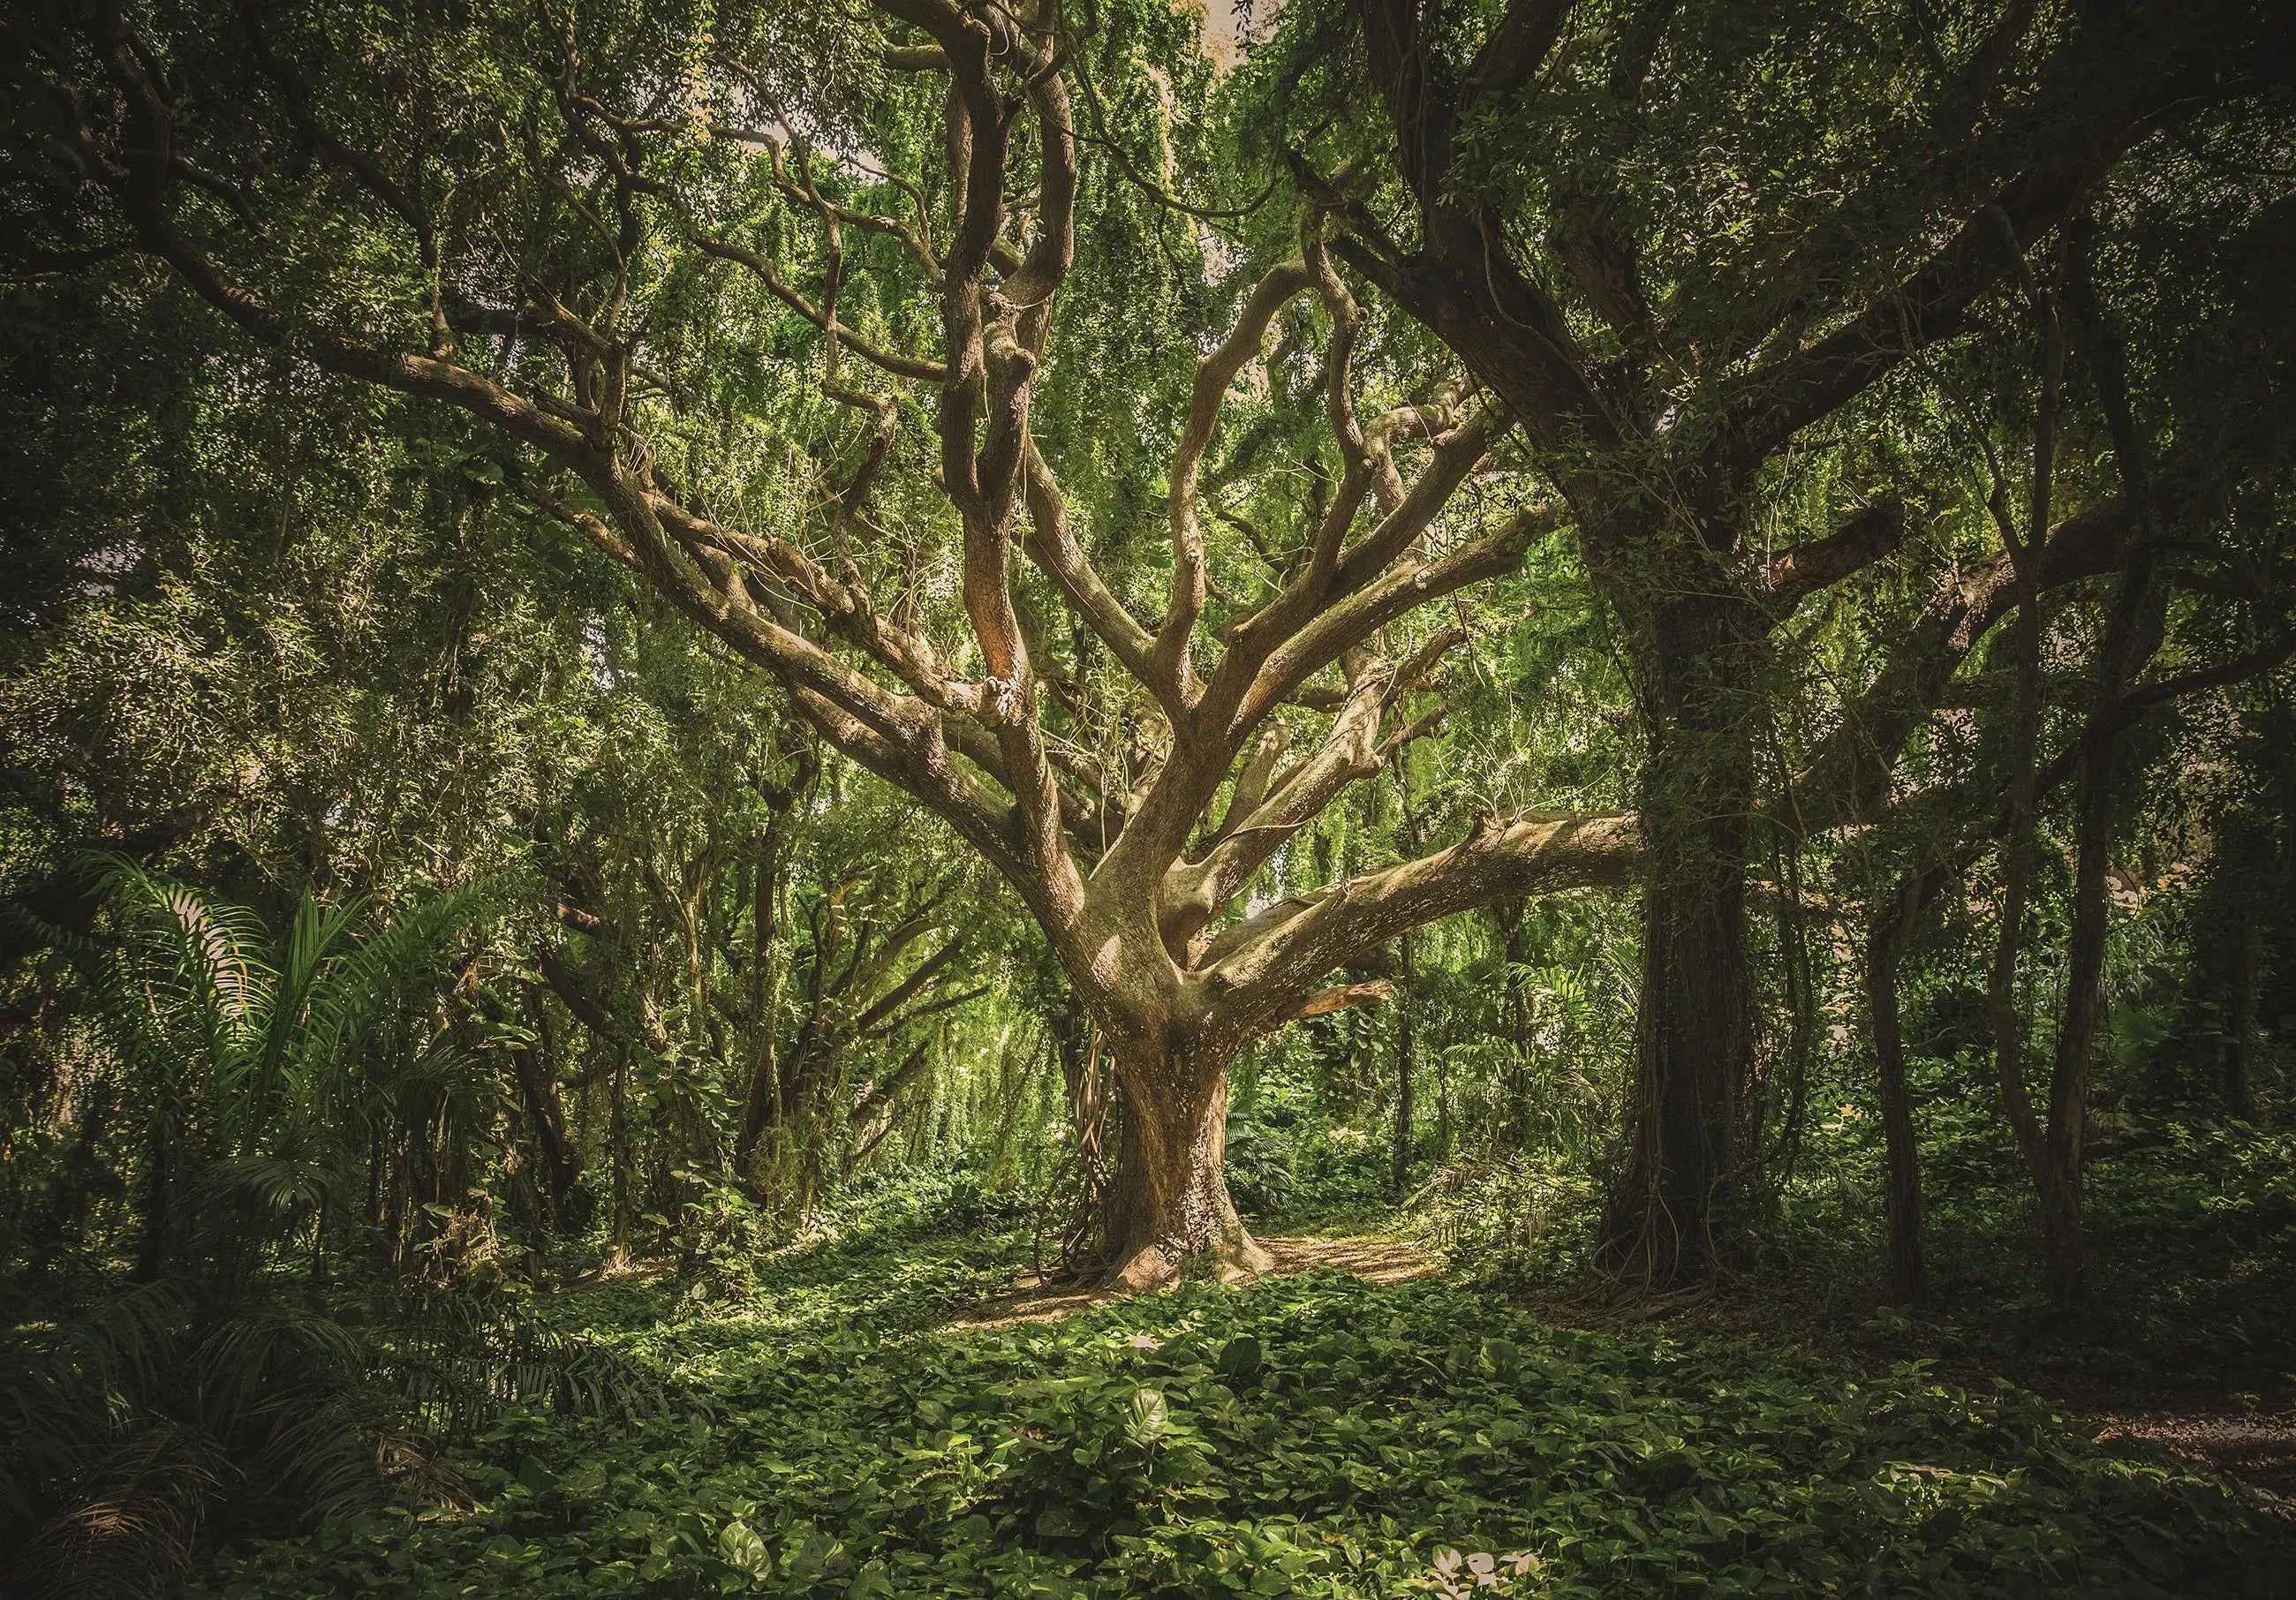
1524 189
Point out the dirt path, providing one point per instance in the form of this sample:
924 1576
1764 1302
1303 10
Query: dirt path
2259 1449
1034 1299
1380 1260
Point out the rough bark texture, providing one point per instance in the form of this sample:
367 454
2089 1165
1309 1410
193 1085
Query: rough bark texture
1172 1204
1691 1053
1694 1035
560 1161
1407 1070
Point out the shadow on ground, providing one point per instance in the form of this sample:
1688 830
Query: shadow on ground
1043 1297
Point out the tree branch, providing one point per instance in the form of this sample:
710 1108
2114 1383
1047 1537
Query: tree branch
1255 972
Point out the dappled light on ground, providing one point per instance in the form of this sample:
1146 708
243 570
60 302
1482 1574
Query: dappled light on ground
1043 1297
854 1420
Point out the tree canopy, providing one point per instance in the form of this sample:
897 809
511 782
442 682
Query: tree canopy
1172 608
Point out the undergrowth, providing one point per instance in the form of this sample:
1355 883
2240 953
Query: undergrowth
828 1434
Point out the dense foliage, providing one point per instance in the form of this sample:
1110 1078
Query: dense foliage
1314 1435
682 683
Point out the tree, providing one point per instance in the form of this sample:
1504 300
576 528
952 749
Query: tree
1675 242
530 253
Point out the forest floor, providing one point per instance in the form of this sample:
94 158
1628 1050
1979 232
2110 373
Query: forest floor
853 1418
1376 1258
2204 1417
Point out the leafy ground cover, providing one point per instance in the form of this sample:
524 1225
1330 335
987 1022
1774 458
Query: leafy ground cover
2187 1334
2192 1264
829 1431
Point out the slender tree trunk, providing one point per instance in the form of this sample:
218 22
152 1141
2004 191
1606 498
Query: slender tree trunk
1172 1204
2024 749
761 1100
2062 1247
1802 996
1515 1019
1885 949
618 1136
2230 922
2006 1017
1442 1108
2132 634
1407 949
2240 1017
1406 1067
562 1163
2133 628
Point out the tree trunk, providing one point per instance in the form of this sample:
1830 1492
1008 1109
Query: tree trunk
1695 1046
545 1113
761 1100
1170 1205
1515 1022
619 1137
2132 634
1406 1069
1885 947
2062 1264
2235 902
2240 1017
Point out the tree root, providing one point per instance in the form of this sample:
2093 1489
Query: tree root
1239 1260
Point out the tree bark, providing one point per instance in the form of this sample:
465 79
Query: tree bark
2132 634
761 1098
2062 1247
1515 1020
1406 1069
1885 949
2234 903
1171 1205
1695 1044
560 1161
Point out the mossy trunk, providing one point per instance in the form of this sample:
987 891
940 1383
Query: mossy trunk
1694 1039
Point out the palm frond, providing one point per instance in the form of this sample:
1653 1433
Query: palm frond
365 979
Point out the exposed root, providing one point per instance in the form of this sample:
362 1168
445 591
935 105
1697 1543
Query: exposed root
1047 1297
1155 1266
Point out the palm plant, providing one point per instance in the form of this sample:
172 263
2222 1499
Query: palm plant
266 1064
263 1067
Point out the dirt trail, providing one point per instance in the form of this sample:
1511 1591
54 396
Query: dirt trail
2258 1448
1378 1260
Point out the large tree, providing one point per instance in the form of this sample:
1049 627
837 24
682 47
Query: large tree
1691 248
545 221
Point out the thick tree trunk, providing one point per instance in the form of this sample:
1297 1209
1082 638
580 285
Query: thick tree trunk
1171 1206
1691 1054
1695 1044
